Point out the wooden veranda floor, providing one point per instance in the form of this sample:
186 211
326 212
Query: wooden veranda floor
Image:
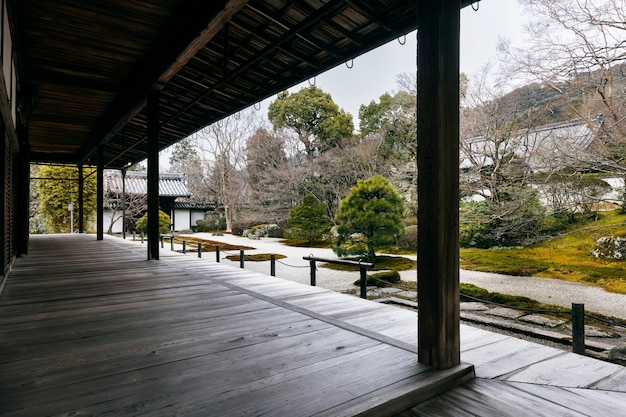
92 328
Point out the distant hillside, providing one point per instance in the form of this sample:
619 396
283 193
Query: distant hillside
536 104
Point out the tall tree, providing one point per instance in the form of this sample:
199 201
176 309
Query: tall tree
273 177
314 117
58 187
221 148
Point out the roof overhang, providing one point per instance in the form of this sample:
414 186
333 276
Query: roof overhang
86 67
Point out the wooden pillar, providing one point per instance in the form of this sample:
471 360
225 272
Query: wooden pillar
100 196
153 175
438 182
81 199
124 203
21 184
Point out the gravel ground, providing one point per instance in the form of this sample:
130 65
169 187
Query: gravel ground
550 291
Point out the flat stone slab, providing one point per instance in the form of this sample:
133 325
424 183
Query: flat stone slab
541 320
389 290
411 295
473 306
508 313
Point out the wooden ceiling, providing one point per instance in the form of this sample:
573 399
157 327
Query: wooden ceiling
86 67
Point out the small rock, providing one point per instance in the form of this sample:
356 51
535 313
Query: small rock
618 352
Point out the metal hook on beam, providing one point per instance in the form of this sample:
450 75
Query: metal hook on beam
475 8
402 39
314 81
351 64
258 103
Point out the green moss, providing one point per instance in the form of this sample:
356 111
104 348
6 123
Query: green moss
257 257
381 279
566 257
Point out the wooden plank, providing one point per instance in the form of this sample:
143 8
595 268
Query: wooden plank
567 370
508 355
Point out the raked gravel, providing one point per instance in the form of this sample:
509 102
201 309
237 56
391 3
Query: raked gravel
549 291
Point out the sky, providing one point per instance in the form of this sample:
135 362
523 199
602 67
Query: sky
375 73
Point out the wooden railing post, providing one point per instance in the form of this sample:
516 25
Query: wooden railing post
312 264
578 328
217 254
363 282
241 258
273 265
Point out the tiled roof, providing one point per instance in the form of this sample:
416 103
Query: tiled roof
546 145
170 185
185 205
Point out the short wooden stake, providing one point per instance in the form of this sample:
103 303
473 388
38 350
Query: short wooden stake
312 264
578 328
241 258
272 265
199 249
184 246
363 282
217 254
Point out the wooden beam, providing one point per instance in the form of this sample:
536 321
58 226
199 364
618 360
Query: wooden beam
153 175
438 183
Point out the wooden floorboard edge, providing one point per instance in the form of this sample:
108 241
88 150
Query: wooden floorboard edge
406 394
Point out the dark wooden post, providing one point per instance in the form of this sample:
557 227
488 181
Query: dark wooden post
312 265
81 199
241 258
100 195
272 265
199 249
162 238
124 204
184 246
578 328
217 254
20 177
153 175
363 282
172 243
438 183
